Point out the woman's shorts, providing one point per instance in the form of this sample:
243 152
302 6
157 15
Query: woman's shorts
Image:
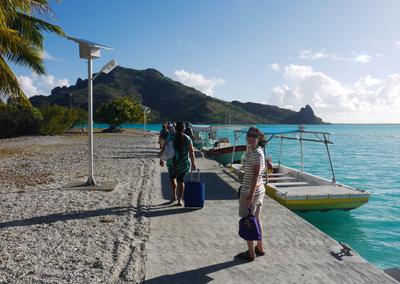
255 206
162 142
179 177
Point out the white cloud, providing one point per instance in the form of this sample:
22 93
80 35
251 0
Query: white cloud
397 44
40 84
367 81
363 58
369 99
275 66
47 56
198 81
355 57
310 55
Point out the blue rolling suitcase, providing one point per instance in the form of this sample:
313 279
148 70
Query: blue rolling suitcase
195 192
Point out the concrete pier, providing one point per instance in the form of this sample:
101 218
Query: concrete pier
198 246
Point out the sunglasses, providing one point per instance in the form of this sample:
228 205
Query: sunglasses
252 135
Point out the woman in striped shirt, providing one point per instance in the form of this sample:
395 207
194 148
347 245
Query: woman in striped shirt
252 190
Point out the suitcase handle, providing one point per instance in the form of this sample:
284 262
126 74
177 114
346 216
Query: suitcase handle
198 175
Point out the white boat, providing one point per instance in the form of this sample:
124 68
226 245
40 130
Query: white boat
217 147
302 191
203 136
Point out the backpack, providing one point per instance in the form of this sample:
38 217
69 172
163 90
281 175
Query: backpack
164 133
169 151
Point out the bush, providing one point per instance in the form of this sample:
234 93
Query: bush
119 111
56 120
18 119
81 117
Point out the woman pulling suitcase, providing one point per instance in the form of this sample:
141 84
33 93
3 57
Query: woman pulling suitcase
182 162
252 191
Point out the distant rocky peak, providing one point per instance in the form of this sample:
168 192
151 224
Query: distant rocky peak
307 110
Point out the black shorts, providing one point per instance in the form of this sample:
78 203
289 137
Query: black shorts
178 177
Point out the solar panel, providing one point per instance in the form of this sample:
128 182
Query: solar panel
89 43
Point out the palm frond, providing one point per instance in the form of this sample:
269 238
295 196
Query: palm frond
31 28
31 6
9 86
14 5
20 51
21 40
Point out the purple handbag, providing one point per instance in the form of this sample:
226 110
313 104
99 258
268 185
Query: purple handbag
249 228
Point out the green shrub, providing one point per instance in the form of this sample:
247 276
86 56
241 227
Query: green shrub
119 111
56 120
18 119
81 117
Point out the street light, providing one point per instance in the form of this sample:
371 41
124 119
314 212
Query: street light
107 68
90 50
146 110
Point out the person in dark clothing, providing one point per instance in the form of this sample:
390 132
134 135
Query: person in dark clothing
163 135
171 127
188 130
181 164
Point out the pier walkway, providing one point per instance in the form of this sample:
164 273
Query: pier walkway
198 246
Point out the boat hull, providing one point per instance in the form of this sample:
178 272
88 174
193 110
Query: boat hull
224 155
317 204
200 144
335 200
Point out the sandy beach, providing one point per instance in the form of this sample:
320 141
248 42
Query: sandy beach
50 234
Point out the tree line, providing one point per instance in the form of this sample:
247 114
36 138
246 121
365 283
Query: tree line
22 25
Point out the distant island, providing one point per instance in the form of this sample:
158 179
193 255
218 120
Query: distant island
171 100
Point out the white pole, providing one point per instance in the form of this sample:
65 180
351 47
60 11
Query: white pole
301 152
144 117
234 146
90 180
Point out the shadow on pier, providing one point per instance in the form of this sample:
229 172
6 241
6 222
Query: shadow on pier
216 188
199 275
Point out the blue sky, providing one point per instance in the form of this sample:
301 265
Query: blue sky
341 57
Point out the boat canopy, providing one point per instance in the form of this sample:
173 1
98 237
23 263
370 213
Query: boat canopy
280 131
303 135
273 131
201 127
214 128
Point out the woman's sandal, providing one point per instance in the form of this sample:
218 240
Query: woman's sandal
258 252
245 256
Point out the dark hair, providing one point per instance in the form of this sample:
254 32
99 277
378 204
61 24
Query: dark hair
261 138
179 136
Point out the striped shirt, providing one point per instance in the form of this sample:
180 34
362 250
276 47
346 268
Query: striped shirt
253 157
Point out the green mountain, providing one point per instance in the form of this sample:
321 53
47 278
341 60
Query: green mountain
268 113
168 99
274 114
305 115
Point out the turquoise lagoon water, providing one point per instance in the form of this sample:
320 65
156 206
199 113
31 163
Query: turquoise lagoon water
365 157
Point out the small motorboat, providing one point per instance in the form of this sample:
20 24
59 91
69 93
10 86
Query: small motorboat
225 153
301 191
203 136
216 146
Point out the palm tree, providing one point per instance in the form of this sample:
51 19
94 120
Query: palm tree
21 41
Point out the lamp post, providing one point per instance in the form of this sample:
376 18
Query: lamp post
146 110
90 50
70 100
